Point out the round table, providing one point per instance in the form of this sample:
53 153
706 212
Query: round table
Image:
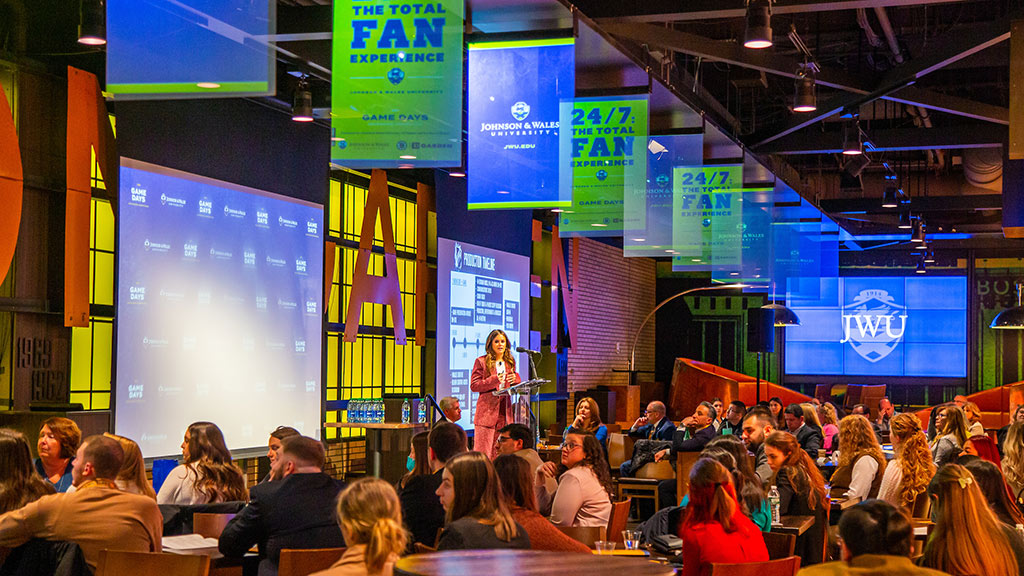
526 563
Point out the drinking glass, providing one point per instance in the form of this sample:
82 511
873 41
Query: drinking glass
631 539
604 546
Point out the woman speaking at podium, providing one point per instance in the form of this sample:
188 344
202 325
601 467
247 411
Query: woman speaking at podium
495 370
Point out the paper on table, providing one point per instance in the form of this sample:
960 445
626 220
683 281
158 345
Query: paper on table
188 542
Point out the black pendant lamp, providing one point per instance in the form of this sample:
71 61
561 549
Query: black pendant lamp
1011 318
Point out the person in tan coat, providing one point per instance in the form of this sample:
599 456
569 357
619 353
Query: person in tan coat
96 516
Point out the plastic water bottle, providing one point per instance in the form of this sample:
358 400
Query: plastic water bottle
421 415
353 410
1020 530
378 411
775 503
406 409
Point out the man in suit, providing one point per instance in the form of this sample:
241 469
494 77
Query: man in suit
421 508
450 408
691 436
810 437
296 510
653 425
756 426
96 516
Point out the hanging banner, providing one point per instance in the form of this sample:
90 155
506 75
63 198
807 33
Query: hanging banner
396 89
514 91
707 216
602 159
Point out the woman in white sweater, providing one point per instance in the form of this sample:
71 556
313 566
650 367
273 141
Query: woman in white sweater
582 497
208 475
908 474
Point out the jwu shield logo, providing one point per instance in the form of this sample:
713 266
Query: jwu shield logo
873 324
458 256
520 110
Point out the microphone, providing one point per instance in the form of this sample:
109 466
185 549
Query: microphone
521 350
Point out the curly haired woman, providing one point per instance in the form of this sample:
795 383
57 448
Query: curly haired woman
861 461
908 474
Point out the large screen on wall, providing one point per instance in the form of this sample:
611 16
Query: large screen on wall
219 310
478 290
884 326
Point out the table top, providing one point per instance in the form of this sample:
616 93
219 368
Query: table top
526 563
377 425
844 503
795 525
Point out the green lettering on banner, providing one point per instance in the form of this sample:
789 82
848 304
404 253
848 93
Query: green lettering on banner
396 89
602 159
707 216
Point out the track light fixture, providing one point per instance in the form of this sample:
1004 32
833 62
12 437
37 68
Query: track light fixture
890 197
852 143
929 257
905 223
302 106
92 23
920 267
758 34
919 232
806 98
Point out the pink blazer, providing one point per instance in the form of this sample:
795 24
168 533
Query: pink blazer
491 411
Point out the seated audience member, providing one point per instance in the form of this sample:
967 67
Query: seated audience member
733 422
775 407
653 426
861 461
809 437
289 512
983 447
588 421
951 436
829 426
749 495
132 477
274 446
19 484
861 410
756 426
450 408
719 407
967 540
371 524
907 476
476 516
423 513
208 474
693 433
582 497
518 440
1017 416
811 419
97 516
886 412
1013 461
876 539
801 490
516 479
714 529
58 441
932 431
972 417
997 493
416 463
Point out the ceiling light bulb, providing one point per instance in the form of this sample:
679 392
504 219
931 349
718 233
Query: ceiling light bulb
806 99
758 34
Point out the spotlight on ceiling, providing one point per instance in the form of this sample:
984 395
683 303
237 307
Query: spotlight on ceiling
806 99
852 143
905 223
920 267
929 257
758 34
919 233
302 106
92 23
890 197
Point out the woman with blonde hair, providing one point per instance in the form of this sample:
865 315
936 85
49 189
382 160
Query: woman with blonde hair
861 460
972 415
370 517
908 474
132 477
952 434
588 421
829 425
1013 460
208 474
476 515
967 539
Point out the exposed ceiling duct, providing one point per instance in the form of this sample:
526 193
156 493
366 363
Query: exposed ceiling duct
983 167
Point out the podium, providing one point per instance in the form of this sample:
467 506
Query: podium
522 395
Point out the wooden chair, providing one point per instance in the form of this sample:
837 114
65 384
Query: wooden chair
617 445
117 563
210 525
783 567
684 462
645 484
585 534
779 545
922 507
421 548
305 562
618 520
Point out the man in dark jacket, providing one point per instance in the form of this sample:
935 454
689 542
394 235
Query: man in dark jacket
296 510
756 425
691 436
421 508
653 425
808 435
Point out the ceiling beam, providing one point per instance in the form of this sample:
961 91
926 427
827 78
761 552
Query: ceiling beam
676 11
893 140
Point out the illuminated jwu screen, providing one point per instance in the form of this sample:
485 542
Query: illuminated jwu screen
219 310
886 326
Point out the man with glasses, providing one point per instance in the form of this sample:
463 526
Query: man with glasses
733 422
518 440
653 425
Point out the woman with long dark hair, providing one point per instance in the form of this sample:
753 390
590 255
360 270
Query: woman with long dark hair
713 527
951 435
801 489
476 516
416 463
208 474
495 370
517 489
19 485
584 483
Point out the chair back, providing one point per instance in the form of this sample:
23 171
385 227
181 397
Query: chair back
656 471
117 563
684 462
585 534
779 545
618 520
304 562
210 525
617 450
782 567
922 507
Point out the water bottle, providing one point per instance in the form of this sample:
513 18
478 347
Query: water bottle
406 409
360 411
421 415
353 410
1020 531
378 411
775 503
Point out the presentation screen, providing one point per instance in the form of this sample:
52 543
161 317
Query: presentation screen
886 326
478 290
219 310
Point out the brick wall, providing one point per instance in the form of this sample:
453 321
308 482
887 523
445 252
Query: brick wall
614 294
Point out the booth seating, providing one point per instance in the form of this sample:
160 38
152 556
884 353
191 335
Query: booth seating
996 405
694 381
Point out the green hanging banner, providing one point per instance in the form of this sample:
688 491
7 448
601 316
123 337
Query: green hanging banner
396 84
707 216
